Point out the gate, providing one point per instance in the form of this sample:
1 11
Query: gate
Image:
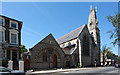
26 64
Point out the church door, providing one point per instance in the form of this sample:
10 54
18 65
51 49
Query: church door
55 61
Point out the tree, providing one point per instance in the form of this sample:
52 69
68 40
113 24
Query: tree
23 49
115 33
105 51
110 55
119 59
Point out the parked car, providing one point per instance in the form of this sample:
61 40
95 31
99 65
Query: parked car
117 65
6 71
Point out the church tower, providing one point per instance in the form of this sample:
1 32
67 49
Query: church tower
95 33
93 26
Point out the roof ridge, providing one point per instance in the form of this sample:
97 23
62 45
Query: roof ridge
71 31
82 29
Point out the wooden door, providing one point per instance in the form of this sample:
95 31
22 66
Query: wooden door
55 61
14 55
15 61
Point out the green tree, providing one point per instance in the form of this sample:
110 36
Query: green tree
110 54
115 33
105 51
119 58
23 49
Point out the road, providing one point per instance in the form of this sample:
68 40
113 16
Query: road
92 71
97 70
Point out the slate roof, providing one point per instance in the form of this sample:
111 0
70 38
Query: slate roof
66 51
75 33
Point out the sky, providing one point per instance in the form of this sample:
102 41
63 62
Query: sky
59 18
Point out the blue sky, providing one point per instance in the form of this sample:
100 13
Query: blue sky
59 18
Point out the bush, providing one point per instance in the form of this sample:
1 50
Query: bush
78 65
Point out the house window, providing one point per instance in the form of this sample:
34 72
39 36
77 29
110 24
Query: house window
2 21
2 36
13 24
14 38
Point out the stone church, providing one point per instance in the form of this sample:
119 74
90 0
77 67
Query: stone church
79 47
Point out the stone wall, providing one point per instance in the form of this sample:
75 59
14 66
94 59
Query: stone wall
85 60
49 48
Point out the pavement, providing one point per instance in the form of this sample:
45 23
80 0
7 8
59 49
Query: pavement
72 70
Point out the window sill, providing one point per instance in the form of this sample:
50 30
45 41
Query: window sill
14 43
13 28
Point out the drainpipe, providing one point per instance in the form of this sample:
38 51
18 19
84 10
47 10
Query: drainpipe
79 45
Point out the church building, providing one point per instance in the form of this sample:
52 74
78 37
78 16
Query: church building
81 47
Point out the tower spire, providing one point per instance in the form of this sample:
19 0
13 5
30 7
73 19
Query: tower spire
96 8
90 7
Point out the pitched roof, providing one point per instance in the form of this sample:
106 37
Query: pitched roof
75 33
47 40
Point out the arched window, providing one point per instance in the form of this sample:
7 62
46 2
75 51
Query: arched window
44 58
75 58
90 23
92 33
86 46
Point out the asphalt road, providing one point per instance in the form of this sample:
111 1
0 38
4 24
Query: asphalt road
97 70
93 71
